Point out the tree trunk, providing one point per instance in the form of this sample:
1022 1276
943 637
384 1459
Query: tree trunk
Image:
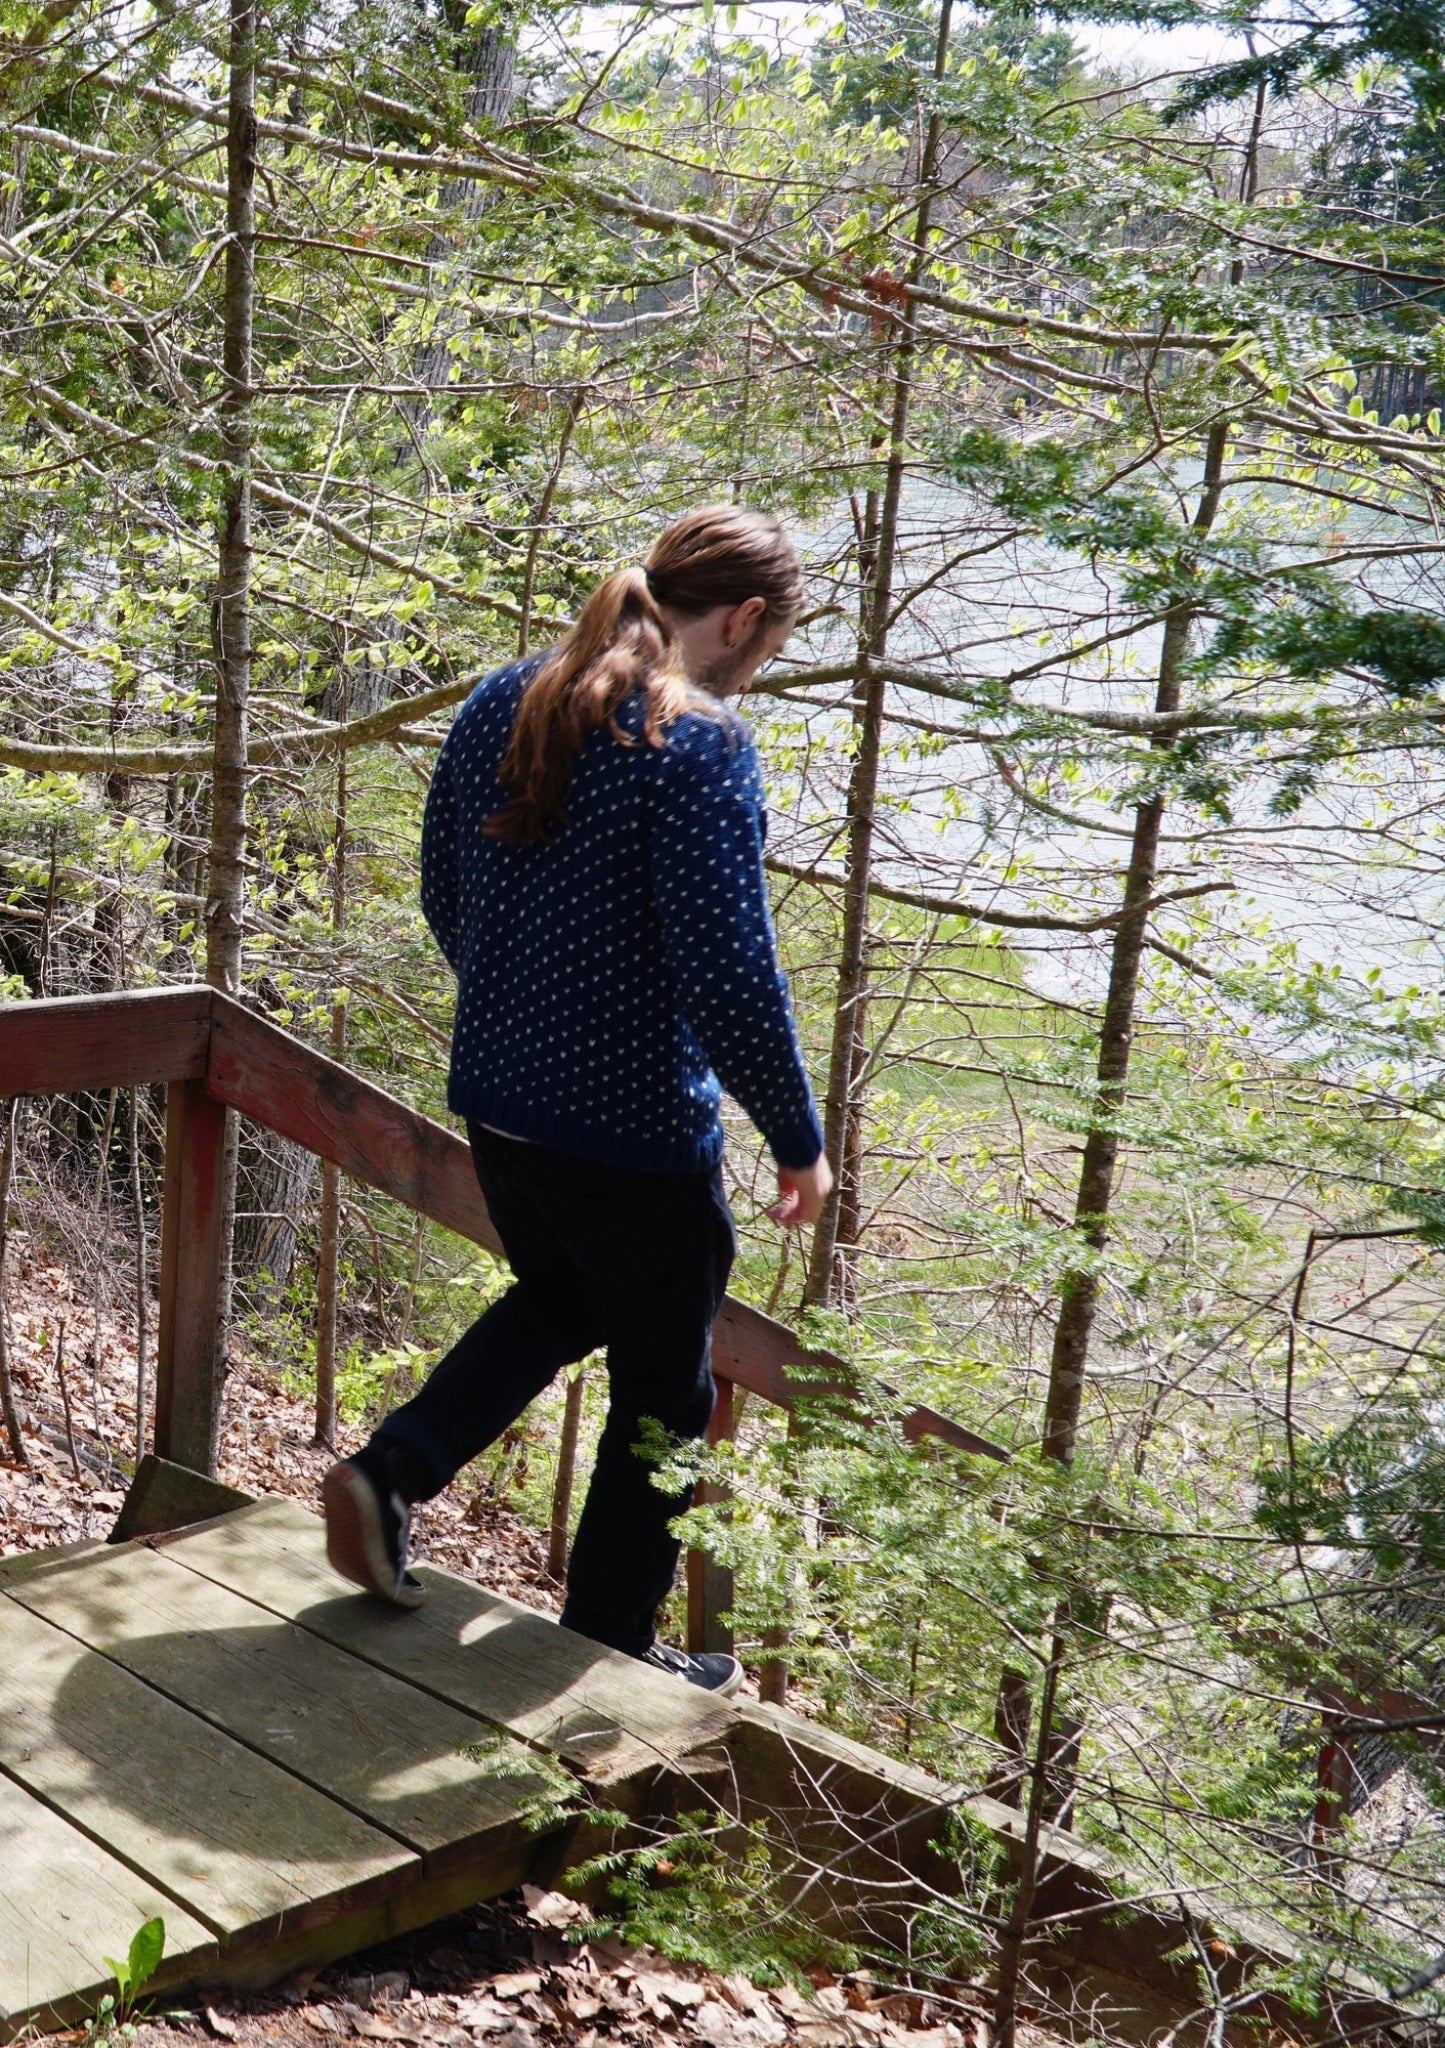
1011 1945
834 1236
1079 1295
329 1227
566 1477
543 514
1056 1744
492 60
231 609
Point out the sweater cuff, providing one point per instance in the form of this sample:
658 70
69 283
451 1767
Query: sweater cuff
797 1145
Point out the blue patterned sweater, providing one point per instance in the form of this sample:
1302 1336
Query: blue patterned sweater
611 978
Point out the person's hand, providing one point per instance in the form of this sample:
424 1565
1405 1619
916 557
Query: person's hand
802 1191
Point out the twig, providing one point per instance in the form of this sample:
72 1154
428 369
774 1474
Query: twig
18 1451
65 1396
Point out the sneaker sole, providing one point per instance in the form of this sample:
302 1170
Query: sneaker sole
355 1546
729 1686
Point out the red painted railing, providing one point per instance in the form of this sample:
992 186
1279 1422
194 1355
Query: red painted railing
213 1054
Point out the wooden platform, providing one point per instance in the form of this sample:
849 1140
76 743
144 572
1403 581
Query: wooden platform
210 1727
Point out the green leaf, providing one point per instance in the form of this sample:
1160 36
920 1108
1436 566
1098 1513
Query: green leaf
147 1946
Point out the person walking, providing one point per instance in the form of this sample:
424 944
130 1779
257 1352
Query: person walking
592 868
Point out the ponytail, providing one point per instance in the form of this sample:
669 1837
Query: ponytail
620 643
624 643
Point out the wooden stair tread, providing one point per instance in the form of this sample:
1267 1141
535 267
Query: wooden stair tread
605 1713
237 1841
390 1753
66 1904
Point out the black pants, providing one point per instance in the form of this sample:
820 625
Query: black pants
601 1255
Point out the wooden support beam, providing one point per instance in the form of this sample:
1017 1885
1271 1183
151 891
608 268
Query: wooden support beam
191 1265
710 1584
68 1043
1334 1781
163 1497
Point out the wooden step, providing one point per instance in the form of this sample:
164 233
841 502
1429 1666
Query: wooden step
608 1715
391 1754
65 1905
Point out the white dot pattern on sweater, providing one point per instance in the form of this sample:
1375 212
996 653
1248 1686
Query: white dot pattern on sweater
611 979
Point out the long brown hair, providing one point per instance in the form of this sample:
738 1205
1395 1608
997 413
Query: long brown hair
623 642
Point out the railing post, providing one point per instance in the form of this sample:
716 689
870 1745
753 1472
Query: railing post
709 1584
1334 1778
191 1266
774 1675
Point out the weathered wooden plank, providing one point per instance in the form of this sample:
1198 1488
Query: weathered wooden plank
66 1043
23 1563
242 1845
64 1906
192 1251
274 1079
606 1714
376 1744
166 1496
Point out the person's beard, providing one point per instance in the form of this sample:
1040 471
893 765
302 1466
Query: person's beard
723 677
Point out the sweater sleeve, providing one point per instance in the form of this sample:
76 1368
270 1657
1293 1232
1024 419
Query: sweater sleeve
439 860
710 892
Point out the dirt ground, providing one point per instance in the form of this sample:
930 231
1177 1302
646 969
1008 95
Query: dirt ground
506 1975
73 1365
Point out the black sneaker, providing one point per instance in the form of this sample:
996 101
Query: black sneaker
710 1669
367 1530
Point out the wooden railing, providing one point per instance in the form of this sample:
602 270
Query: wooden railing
211 1054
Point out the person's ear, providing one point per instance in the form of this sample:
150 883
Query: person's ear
741 621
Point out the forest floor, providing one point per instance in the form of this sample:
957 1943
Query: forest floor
73 1364
503 1975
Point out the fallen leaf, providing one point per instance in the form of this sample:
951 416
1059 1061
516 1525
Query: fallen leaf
553 1909
484 2015
322 2018
659 1985
516 1983
743 1995
219 2024
721 2027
